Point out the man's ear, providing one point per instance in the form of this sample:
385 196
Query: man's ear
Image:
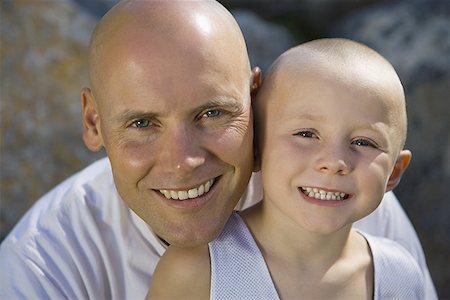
91 123
399 168
255 81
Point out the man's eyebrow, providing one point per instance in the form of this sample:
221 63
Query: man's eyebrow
134 114
228 103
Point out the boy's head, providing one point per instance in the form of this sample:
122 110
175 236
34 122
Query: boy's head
331 126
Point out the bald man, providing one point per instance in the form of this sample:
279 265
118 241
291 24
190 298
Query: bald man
169 101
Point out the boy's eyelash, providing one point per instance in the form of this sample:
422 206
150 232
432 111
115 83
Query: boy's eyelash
305 134
360 142
364 143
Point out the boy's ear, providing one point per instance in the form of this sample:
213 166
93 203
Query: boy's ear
255 81
91 123
399 168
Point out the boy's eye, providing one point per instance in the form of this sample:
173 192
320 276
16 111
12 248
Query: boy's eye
305 134
142 123
212 113
364 143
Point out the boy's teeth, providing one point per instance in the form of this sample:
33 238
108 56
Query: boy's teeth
322 194
189 194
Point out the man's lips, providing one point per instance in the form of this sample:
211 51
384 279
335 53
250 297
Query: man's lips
189 193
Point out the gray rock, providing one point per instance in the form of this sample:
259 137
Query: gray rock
265 41
43 67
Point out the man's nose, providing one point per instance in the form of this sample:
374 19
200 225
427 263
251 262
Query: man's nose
182 150
333 160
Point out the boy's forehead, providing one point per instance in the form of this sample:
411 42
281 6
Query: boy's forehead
295 92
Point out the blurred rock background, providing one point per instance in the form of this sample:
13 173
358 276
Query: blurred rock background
43 66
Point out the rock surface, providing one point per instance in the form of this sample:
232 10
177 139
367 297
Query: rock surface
43 66
43 55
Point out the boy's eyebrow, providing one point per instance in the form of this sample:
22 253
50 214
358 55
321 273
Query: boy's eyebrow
308 116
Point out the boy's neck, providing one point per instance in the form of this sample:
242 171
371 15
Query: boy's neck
272 229
316 261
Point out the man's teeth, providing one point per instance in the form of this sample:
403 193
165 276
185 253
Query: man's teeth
322 194
189 194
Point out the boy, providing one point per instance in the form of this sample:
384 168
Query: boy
330 130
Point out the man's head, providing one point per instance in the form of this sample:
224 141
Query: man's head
170 103
330 126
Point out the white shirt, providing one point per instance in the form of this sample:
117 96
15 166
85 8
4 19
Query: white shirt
81 241
239 271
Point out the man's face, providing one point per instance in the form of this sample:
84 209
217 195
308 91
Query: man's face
177 127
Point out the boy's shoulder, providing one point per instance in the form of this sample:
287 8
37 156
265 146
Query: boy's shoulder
396 272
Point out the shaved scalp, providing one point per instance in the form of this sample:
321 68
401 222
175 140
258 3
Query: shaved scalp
349 61
183 25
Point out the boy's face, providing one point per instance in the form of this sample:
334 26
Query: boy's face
327 149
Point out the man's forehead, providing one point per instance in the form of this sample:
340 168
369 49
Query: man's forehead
141 42
166 18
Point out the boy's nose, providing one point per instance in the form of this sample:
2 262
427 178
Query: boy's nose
333 161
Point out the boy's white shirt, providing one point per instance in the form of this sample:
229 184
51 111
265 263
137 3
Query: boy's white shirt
80 241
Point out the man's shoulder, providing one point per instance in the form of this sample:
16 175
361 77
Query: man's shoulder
65 200
397 273
388 251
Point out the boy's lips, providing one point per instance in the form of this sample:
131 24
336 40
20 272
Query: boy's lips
189 193
321 194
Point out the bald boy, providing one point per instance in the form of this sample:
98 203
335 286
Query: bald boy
169 101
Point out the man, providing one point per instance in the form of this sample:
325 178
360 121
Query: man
170 102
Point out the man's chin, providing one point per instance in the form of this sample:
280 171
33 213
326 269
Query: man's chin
191 236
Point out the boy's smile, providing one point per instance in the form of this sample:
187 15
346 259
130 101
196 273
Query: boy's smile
322 194
322 197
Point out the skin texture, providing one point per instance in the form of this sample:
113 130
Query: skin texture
170 102
330 115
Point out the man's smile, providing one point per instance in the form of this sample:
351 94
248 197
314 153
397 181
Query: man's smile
190 193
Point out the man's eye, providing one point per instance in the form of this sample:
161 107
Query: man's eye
141 123
305 134
364 143
212 113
